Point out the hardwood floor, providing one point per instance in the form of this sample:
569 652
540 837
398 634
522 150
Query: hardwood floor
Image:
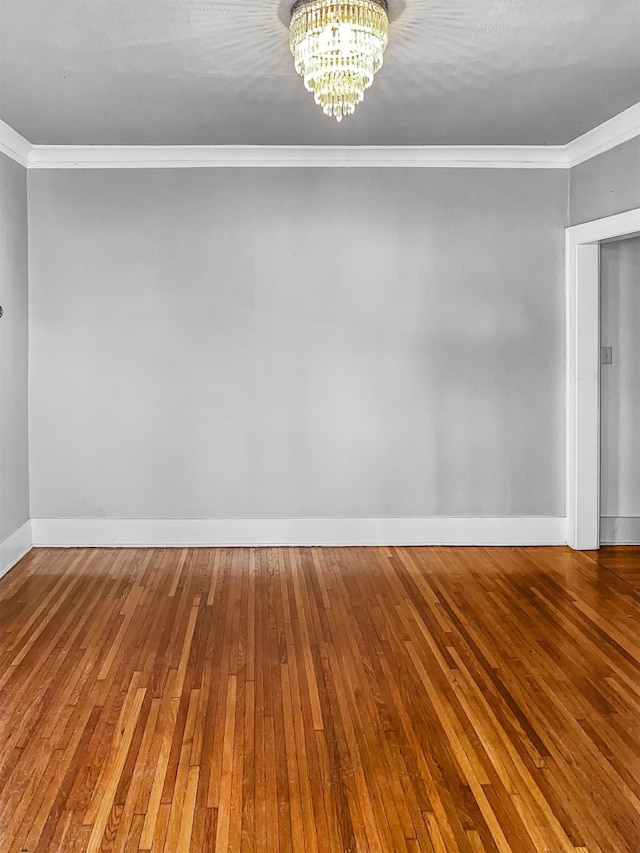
623 561
402 699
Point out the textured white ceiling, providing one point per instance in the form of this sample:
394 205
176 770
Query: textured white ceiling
456 72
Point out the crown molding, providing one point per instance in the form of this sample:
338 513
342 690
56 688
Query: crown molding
621 128
611 133
296 156
14 145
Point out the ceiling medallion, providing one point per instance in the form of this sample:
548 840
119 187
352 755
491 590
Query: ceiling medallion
337 47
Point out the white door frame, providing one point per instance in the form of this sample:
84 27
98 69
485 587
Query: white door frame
582 258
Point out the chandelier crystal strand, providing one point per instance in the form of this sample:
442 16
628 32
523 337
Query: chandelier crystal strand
338 47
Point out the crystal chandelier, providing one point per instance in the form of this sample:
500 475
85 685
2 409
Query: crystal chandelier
337 47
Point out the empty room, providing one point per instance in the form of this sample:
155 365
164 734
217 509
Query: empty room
320 426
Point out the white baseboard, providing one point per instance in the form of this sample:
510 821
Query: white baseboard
194 532
620 531
14 547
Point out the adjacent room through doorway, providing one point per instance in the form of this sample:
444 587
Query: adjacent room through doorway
620 392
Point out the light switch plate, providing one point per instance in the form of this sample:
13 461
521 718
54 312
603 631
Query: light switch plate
606 355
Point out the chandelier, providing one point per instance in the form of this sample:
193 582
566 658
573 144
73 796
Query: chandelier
337 47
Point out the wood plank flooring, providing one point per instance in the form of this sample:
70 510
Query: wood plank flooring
401 699
623 561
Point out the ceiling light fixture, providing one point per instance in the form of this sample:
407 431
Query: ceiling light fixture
337 47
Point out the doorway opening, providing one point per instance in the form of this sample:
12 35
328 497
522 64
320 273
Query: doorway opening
583 249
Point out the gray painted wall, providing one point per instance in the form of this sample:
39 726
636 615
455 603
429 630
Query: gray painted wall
297 343
620 391
605 185
14 344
